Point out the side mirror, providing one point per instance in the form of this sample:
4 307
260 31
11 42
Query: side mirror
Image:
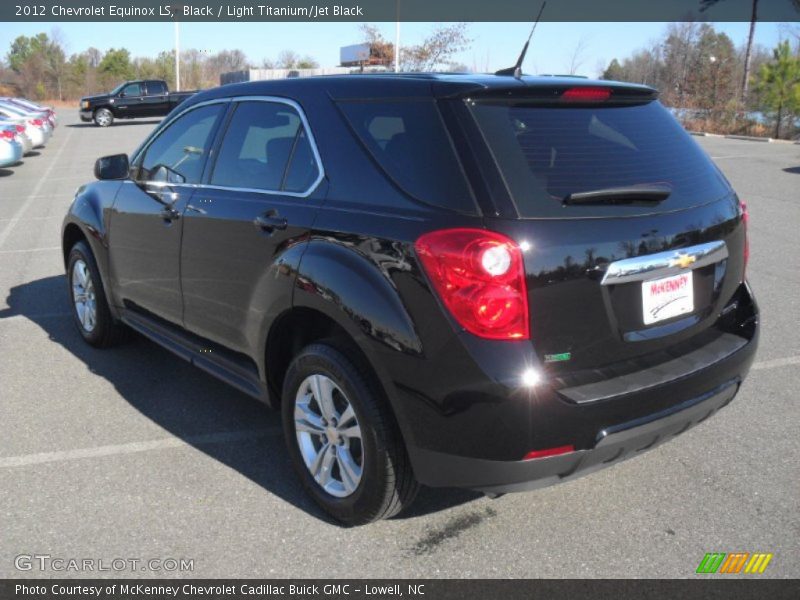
112 167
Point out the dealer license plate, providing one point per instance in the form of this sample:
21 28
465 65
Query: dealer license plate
667 297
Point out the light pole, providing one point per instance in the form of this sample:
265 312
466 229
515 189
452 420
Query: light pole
397 40
177 57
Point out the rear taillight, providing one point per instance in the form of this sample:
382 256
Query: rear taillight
586 94
745 222
20 128
36 122
480 277
8 134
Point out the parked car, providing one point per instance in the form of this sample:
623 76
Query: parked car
33 106
10 146
474 281
37 128
21 132
131 100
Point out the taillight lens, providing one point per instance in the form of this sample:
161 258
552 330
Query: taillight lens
745 223
586 94
480 277
20 128
7 134
36 122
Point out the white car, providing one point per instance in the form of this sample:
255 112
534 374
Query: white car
22 135
37 126
29 104
10 147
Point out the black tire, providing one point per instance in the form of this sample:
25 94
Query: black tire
103 117
106 330
387 482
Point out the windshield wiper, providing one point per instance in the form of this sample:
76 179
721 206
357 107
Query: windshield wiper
621 195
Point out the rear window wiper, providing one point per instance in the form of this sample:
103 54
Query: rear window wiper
621 195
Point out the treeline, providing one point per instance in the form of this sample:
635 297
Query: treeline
700 72
38 67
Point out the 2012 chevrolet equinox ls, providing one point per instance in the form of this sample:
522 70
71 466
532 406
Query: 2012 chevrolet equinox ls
487 282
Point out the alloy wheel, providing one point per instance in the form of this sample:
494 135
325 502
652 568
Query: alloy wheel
328 435
83 296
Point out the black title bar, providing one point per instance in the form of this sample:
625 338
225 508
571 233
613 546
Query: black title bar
423 589
393 10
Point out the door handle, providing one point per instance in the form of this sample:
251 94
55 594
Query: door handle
270 221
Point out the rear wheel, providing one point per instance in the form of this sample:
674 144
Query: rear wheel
342 438
90 309
103 117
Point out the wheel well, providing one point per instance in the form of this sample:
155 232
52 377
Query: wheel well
296 329
72 235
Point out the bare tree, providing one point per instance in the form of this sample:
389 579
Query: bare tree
437 50
287 59
380 50
578 55
706 4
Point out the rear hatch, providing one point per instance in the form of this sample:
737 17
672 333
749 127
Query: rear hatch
633 240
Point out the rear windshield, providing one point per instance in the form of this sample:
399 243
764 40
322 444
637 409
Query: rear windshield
409 141
547 153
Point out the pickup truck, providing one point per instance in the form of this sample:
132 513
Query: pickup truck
131 100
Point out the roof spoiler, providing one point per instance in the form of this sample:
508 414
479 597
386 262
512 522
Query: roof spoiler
563 94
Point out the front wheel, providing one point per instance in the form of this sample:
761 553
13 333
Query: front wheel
90 311
342 438
103 117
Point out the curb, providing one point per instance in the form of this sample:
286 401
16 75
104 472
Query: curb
750 138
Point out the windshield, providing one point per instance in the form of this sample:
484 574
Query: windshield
548 153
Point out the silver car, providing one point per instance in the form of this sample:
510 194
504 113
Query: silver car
10 147
22 135
31 105
37 127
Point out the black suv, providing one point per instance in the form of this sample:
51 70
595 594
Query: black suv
486 282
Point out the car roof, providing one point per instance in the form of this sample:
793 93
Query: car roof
401 84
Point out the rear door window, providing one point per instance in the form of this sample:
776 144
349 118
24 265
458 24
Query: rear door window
259 143
156 88
410 143
547 153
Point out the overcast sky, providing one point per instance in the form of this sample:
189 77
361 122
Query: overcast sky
495 45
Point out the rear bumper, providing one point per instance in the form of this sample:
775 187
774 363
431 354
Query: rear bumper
477 438
613 445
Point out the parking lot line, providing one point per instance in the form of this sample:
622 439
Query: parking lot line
222 437
9 226
34 318
24 250
786 361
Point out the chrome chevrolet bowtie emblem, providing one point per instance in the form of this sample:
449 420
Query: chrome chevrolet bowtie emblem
683 261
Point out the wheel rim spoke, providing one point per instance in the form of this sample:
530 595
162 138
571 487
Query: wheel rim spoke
322 388
353 432
326 466
350 471
307 420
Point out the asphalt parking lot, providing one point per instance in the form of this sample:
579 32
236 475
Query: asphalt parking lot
132 453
